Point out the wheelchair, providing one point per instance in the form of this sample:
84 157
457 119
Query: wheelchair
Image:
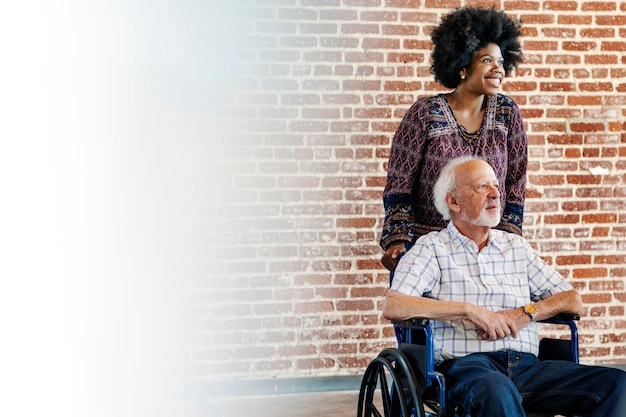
403 382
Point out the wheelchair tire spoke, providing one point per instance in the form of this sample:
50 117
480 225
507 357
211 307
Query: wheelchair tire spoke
389 388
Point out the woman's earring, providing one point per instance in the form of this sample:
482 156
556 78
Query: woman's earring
462 77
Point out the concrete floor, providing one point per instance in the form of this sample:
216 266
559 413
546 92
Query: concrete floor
316 404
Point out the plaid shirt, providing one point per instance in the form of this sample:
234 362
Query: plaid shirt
506 274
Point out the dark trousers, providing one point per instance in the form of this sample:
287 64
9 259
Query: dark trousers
505 383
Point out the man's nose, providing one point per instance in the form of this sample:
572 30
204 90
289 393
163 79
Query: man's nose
494 191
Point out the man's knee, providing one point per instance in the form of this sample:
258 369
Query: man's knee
491 387
620 376
613 379
619 380
493 395
496 386
614 384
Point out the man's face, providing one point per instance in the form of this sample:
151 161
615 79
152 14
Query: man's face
478 194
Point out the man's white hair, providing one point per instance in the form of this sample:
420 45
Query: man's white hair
447 183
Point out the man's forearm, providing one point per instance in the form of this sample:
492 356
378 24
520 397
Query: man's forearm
565 302
398 306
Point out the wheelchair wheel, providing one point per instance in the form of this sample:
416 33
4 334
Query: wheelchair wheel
389 388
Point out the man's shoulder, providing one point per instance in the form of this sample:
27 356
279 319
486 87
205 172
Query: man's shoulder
508 239
436 237
504 235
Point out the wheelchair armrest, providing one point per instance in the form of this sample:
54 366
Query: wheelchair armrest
415 321
561 349
562 318
415 340
559 318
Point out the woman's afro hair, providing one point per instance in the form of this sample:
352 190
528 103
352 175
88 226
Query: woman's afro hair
463 32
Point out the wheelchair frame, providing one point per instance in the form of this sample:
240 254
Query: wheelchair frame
407 380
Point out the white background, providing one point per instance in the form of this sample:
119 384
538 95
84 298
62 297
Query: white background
101 104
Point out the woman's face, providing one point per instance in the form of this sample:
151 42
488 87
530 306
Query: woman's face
486 72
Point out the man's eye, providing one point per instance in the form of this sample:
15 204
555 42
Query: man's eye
483 187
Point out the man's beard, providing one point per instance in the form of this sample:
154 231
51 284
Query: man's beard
486 218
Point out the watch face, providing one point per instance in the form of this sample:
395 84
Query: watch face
530 309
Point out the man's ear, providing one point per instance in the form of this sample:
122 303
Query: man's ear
452 202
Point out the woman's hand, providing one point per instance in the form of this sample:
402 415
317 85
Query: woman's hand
392 255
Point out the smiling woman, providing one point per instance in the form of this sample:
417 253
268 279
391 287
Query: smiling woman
482 77
474 49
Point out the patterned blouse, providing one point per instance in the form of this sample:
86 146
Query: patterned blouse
428 136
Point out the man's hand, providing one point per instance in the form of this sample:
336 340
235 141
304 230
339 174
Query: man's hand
392 256
517 316
494 325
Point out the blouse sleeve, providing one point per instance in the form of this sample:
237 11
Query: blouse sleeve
404 162
516 174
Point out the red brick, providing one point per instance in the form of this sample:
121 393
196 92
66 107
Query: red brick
579 46
573 260
302 161
560 5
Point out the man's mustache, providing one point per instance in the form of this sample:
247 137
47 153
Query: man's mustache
492 203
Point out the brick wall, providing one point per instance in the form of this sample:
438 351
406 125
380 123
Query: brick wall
283 226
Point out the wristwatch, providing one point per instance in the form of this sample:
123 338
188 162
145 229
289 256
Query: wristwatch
531 310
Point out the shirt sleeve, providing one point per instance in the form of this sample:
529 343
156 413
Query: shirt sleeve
543 279
417 272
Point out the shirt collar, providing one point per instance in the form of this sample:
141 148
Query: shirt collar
463 240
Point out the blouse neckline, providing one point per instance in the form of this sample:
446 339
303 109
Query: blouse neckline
487 123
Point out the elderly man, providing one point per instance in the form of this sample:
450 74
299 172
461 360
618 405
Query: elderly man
485 289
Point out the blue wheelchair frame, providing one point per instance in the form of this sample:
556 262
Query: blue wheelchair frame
406 379
407 330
